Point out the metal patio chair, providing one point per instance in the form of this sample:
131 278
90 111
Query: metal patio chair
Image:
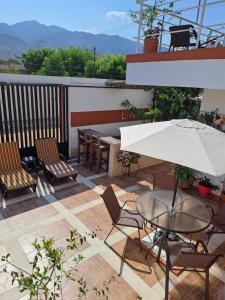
180 255
217 224
182 39
121 216
49 159
12 175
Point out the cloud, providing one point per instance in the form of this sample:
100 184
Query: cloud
115 14
92 30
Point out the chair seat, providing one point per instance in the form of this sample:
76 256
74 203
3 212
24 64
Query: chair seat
16 179
60 169
127 218
177 247
101 147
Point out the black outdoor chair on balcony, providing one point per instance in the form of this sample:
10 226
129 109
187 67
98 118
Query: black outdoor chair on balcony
183 38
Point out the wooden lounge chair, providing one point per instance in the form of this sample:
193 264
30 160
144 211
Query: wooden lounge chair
49 159
180 255
12 175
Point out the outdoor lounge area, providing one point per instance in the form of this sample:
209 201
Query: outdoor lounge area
53 211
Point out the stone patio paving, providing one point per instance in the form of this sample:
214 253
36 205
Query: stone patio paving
54 211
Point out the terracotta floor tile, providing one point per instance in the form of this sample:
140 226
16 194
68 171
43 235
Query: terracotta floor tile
97 217
58 230
193 287
118 183
27 212
76 195
84 171
96 270
147 269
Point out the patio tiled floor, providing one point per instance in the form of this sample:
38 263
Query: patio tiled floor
79 205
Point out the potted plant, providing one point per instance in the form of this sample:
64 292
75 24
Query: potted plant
186 177
205 186
148 17
126 159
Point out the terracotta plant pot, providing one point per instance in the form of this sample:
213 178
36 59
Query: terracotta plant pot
204 191
185 184
151 45
222 197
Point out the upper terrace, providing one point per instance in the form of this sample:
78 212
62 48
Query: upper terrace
202 53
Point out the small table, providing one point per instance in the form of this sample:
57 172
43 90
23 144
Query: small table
189 214
30 162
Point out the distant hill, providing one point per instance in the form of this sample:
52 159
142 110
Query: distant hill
18 38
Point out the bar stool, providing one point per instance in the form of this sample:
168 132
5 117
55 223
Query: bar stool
97 149
83 145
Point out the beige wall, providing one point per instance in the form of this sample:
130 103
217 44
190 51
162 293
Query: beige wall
213 99
103 99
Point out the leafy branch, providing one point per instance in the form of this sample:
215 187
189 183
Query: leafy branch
48 269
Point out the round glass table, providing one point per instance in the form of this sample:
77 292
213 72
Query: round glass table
189 214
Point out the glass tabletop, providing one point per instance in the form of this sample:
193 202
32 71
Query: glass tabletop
189 214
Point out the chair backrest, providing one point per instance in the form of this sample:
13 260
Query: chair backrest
111 203
47 150
164 180
9 156
219 218
180 39
81 135
195 260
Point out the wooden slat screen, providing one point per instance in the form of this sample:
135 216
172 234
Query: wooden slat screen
29 112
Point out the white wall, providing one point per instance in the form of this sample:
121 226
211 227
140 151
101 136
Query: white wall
94 99
213 99
37 79
193 73
101 99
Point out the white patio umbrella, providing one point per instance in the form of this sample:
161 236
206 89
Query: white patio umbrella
183 142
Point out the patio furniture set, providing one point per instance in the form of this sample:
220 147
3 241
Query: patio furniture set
92 148
174 216
14 177
172 229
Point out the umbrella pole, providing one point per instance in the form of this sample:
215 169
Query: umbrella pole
176 185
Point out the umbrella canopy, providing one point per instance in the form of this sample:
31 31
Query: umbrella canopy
184 142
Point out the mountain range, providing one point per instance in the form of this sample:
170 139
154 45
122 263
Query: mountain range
18 38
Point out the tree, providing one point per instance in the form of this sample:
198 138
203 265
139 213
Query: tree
111 66
74 60
33 59
53 66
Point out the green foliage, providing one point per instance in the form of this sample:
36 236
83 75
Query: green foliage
74 62
149 15
49 270
138 112
176 103
168 103
111 67
33 59
53 66
185 173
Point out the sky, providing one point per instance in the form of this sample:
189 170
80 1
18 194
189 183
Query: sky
95 16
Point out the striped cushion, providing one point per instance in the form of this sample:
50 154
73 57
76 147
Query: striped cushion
9 156
47 150
61 169
16 179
